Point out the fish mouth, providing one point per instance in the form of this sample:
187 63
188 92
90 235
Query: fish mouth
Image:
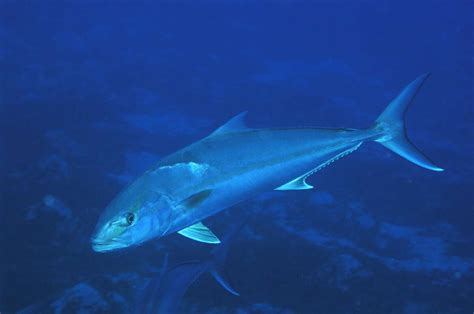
101 246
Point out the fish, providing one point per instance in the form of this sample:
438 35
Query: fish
164 293
236 163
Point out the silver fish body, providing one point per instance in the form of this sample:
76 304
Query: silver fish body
233 164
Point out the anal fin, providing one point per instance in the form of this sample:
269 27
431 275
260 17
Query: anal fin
296 184
300 182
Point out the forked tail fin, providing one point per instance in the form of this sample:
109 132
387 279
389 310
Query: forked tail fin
391 126
219 255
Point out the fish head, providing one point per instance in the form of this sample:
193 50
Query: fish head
131 219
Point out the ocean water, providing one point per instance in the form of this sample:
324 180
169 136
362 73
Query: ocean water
92 93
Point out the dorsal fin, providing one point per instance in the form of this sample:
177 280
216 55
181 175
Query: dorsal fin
237 123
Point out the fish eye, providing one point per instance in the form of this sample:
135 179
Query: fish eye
130 217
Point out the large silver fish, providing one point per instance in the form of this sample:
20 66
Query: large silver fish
164 293
233 164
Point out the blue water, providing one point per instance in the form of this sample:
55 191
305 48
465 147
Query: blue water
94 92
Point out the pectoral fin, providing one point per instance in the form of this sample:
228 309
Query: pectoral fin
195 200
201 233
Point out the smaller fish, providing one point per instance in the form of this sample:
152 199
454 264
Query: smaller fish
164 294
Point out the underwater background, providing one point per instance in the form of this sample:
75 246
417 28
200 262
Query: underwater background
92 93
